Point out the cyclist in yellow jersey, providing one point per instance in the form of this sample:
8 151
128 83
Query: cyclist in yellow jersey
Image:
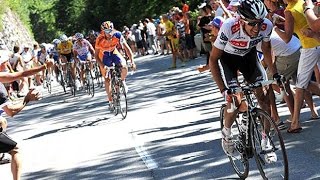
310 55
171 34
65 54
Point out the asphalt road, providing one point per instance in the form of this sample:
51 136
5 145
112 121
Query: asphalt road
171 132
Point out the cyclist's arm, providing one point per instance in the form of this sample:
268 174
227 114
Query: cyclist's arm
128 51
214 67
96 55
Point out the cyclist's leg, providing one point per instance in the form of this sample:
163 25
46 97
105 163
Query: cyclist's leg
73 67
119 60
229 65
107 61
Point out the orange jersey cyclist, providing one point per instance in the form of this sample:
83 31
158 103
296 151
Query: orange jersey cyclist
106 53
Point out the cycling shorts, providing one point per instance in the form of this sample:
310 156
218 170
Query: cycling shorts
85 57
248 65
113 57
68 57
6 143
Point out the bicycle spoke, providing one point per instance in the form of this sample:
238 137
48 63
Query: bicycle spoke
270 152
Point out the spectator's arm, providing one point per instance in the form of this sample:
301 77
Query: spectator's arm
288 26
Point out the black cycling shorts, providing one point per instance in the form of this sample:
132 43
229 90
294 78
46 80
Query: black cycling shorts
248 65
6 143
68 56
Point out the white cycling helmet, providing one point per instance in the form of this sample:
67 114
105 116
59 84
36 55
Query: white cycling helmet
63 38
252 9
78 36
56 41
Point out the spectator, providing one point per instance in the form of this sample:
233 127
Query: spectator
138 39
205 29
310 55
310 14
190 44
28 61
7 145
151 31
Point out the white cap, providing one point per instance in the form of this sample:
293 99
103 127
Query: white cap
202 5
4 56
234 3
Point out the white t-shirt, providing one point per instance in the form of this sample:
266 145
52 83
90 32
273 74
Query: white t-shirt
219 12
151 29
233 39
281 48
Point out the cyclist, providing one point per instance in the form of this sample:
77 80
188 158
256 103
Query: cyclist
235 46
65 53
92 36
82 52
106 54
42 57
55 55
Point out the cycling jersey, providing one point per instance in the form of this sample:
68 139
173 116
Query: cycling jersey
233 39
107 46
108 49
42 57
65 47
82 49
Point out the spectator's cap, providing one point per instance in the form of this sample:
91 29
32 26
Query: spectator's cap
3 47
26 46
202 5
42 45
146 20
234 3
217 22
4 55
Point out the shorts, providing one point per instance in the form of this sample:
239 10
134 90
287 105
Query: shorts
174 43
113 57
248 65
190 44
6 143
68 57
182 44
139 44
151 40
287 66
308 59
85 57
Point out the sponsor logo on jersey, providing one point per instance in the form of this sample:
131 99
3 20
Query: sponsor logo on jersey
235 28
255 41
223 37
239 44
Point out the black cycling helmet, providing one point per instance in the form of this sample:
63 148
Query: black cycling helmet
252 9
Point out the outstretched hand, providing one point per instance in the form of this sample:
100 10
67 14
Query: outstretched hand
33 95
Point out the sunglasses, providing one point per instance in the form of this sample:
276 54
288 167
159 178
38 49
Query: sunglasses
254 23
107 31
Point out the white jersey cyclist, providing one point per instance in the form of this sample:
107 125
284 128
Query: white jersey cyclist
232 38
83 49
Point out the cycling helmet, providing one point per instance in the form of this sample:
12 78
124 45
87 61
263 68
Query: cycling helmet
107 27
252 9
217 22
63 38
78 36
42 45
56 41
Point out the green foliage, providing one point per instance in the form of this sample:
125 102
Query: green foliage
50 18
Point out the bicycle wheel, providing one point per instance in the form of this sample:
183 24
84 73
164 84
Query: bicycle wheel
91 84
114 94
238 160
63 82
122 99
269 149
